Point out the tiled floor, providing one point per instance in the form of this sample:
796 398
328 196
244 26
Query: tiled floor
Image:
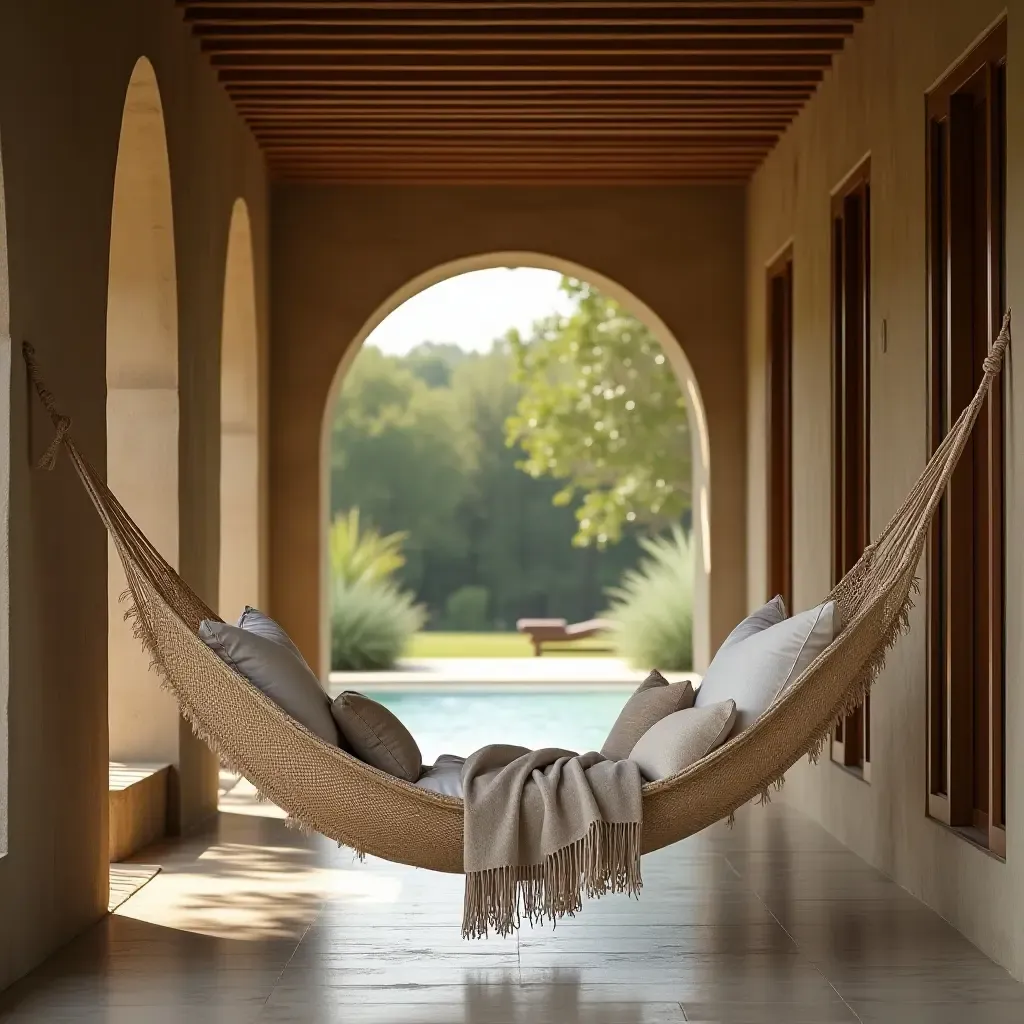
771 922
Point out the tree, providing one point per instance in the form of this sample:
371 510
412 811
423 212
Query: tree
401 453
601 409
434 363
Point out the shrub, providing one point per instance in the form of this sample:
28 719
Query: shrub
652 607
465 611
372 622
362 555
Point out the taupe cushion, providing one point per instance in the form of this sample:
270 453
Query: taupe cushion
654 699
255 621
755 671
443 776
376 736
273 668
682 739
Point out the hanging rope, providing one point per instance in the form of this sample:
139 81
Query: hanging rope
60 421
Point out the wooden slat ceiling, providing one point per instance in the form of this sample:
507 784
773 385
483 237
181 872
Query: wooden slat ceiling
525 92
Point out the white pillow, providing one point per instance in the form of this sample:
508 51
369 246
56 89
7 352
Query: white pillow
754 671
770 614
255 621
272 668
681 739
444 776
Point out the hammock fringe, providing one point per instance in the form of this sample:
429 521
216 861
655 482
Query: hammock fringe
604 861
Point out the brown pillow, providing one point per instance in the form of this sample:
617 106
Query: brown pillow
654 699
682 739
376 736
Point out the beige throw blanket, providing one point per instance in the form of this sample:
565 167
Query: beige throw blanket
543 828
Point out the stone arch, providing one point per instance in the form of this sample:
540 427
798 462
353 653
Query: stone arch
673 348
241 580
142 405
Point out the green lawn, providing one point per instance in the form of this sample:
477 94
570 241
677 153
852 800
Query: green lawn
486 645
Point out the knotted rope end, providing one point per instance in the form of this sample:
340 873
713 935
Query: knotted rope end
61 422
994 360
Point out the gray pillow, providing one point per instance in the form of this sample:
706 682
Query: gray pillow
444 776
770 614
376 736
682 739
270 666
255 621
755 671
653 700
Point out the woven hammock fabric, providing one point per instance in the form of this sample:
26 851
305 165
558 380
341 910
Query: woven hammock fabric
326 790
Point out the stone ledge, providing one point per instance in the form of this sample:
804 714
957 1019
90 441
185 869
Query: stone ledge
137 807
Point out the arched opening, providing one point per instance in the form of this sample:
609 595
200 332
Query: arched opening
142 406
698 433
240 576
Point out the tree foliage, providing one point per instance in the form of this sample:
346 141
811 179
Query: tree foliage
433 463
400 454
601 409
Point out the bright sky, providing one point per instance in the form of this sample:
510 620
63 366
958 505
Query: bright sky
471 310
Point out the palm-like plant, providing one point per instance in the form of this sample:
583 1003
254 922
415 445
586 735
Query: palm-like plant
652 607
363 555
371 618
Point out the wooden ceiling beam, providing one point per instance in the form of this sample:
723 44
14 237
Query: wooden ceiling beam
670 114
629 95
413 160
326 107
422 172
422 166
519 141
457 179
727 78
479 52
643 9
473 63
732 121
792 33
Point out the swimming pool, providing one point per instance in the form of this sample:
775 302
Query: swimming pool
458 722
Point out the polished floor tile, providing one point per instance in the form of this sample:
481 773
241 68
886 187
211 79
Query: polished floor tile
772 922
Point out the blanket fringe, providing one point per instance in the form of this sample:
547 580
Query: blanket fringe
606 860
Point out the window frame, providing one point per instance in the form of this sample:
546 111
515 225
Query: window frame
965 644
779 420
851 380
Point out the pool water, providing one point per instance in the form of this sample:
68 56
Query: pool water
456 722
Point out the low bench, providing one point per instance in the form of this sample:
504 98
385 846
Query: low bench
138 807
551 632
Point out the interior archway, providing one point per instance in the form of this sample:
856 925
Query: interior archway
240 576
700 454
142 405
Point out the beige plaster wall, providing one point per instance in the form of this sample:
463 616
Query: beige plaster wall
342 254
874 103
64 70
241 471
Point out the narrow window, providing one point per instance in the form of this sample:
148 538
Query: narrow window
966 692
780 429
851 318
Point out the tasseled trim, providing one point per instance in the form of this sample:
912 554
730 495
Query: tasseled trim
869 672
606 860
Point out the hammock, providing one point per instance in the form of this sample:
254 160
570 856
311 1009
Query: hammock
326 790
